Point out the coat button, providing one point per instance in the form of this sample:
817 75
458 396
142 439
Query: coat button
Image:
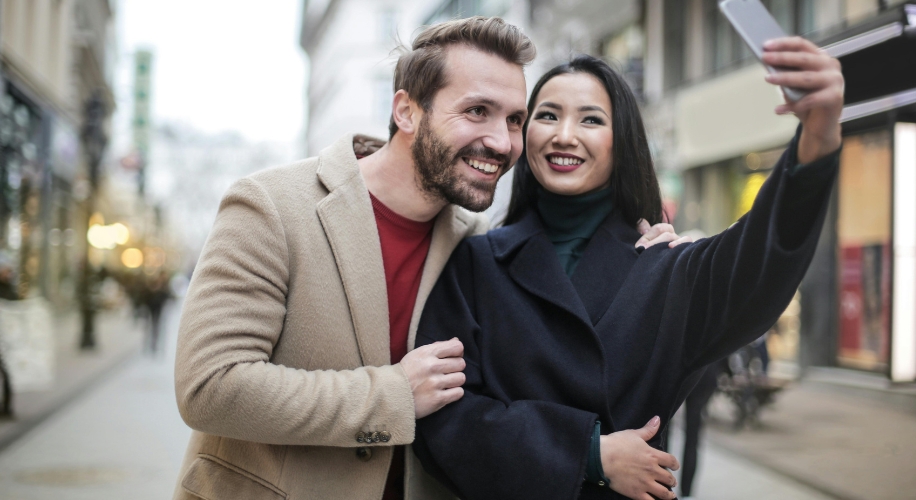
360 437
385 436
376 438
364 453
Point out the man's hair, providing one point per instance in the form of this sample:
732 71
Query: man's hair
421 70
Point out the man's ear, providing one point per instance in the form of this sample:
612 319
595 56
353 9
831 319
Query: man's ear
405 112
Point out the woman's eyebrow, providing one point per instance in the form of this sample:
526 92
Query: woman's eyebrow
548 104
594 108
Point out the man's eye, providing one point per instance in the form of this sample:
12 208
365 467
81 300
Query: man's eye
515 120
478 111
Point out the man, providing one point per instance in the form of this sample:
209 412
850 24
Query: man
293 365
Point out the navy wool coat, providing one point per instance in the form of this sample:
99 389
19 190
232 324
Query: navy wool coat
621 341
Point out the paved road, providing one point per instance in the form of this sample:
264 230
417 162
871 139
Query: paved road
125 440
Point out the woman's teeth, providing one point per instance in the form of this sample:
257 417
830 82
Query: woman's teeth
483 166
557 160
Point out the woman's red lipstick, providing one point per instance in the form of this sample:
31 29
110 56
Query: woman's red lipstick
576 163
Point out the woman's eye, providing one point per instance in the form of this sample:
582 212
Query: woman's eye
593 120
545 115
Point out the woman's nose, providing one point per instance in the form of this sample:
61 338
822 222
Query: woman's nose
566 135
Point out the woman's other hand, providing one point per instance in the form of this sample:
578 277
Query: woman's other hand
637 470
659 233
812 70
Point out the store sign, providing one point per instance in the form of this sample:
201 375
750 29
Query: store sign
143 61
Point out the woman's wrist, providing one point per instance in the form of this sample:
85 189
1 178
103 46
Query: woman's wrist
812 147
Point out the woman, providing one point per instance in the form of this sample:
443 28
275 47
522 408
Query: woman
570 335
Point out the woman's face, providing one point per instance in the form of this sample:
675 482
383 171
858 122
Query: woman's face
569 138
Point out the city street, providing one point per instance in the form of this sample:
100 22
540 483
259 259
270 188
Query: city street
144 142
124 439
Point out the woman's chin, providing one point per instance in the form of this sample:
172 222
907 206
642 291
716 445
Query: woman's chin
565 189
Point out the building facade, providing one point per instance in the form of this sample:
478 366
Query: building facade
55 56
711 106
56 61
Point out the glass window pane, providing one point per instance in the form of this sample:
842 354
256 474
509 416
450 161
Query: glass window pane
864 236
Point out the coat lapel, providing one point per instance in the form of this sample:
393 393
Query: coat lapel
605 265
536 268
349 222
448 231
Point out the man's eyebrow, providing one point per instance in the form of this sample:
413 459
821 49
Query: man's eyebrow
479 99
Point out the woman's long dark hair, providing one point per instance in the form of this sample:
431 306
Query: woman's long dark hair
634 185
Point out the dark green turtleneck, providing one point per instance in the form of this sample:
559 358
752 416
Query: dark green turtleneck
570 221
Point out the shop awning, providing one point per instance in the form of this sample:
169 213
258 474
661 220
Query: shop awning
879 63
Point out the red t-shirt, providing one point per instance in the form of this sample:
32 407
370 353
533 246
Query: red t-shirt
405 244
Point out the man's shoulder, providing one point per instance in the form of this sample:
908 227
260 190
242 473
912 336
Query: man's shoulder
289 176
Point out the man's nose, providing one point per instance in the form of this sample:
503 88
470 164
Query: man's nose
499 139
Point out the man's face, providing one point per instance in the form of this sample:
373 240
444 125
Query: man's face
472 134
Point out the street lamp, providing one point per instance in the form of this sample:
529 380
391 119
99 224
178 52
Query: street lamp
94 143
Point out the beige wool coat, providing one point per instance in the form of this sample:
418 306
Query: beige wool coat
283 356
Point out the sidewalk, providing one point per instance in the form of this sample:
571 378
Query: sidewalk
117 339
121 439
841 442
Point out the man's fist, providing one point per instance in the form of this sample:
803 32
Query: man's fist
434 373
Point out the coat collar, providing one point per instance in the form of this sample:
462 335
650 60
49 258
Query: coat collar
452 225
532 263
348 220
603 267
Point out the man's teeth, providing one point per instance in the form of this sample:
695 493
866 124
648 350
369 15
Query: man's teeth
483 166
558 160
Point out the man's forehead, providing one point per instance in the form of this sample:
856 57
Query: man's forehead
474 75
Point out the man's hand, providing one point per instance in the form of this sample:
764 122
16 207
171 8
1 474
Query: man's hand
434 373
659 233
812 70
637 470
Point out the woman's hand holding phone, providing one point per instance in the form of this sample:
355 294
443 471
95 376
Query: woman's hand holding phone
807 67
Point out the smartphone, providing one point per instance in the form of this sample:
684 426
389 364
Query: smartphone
756 25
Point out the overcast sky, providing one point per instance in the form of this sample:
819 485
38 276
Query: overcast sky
218 64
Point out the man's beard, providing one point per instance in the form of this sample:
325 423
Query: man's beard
440 177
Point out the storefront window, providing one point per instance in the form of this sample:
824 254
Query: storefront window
20 186
864 236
